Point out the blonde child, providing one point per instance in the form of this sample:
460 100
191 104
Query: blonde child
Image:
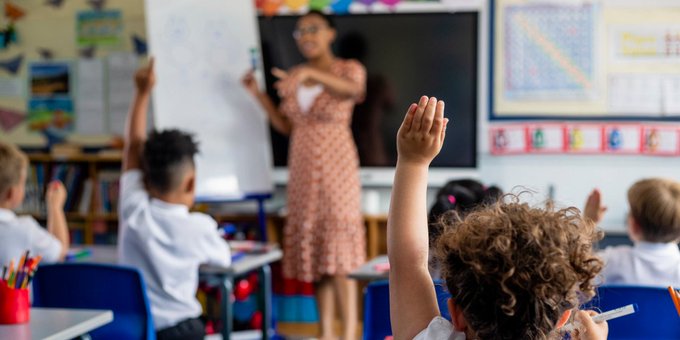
159 235
512 270
654 228
21 233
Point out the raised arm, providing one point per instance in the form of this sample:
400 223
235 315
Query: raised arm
55 198
413 303
135 129
278 121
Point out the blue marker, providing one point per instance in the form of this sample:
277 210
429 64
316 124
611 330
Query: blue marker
254 60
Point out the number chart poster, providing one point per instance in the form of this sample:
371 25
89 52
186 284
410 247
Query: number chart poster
585 59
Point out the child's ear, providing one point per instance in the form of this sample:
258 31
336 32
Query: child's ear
191 183
457 318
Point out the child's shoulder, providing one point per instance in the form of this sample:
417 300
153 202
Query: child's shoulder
202 221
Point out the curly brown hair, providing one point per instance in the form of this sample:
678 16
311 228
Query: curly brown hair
513 270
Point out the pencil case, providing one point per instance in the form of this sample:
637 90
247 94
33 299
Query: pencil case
14 305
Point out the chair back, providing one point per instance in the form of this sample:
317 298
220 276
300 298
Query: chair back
98 286
656 317
377 323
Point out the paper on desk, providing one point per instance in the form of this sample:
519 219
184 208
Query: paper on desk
90 100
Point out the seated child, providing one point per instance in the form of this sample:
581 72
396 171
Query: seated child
159 235
456 199
513 271
654 228
21 233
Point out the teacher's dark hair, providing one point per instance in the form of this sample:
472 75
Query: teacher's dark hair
329 21
167 156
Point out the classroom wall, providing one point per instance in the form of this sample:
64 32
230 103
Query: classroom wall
572 177
54 28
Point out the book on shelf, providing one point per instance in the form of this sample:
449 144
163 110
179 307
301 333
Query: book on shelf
106 192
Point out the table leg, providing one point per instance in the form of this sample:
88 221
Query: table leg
262 219
266 302
227 314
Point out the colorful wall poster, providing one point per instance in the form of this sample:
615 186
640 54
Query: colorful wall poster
622 138
50 115
583 138
99 27
49 79
660 140
546 138
510 139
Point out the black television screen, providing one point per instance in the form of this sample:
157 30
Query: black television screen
406 55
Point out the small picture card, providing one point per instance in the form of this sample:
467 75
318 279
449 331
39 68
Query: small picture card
583 138
509 139
660 140
622 138
546 138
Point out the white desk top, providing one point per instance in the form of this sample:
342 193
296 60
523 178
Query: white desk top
57 324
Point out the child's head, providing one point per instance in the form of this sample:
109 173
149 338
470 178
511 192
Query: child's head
513 270
459 196
13 168
168 166
655 209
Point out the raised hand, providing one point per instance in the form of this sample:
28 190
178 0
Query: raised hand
422 133
55 197
145 78
250 83
594 210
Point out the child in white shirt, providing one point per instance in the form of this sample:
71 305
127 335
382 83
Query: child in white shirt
21 233
159 235
513 271
654 228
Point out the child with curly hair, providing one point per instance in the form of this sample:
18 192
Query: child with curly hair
513 271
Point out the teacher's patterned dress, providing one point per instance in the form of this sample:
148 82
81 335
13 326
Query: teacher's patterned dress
324 232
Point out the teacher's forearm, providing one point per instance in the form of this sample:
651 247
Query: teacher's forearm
338 85
278 121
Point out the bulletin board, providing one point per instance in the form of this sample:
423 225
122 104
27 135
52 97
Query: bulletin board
592 59
66 68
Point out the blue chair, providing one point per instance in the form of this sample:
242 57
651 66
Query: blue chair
377 323
656 317
98 286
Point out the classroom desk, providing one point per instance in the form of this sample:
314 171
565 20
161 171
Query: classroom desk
224 277
367 272
57 324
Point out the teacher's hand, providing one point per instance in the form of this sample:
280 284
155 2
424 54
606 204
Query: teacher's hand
250 83
288 81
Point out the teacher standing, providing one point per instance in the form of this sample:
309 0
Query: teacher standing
324 233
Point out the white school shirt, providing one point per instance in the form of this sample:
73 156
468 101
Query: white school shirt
167 243
645 263
440 329
21 233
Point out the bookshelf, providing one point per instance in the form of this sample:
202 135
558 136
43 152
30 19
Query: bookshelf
92 183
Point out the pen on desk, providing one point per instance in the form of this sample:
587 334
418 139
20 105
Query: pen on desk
612 314
675 298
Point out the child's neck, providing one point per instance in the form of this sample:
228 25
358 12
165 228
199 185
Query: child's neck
173 198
